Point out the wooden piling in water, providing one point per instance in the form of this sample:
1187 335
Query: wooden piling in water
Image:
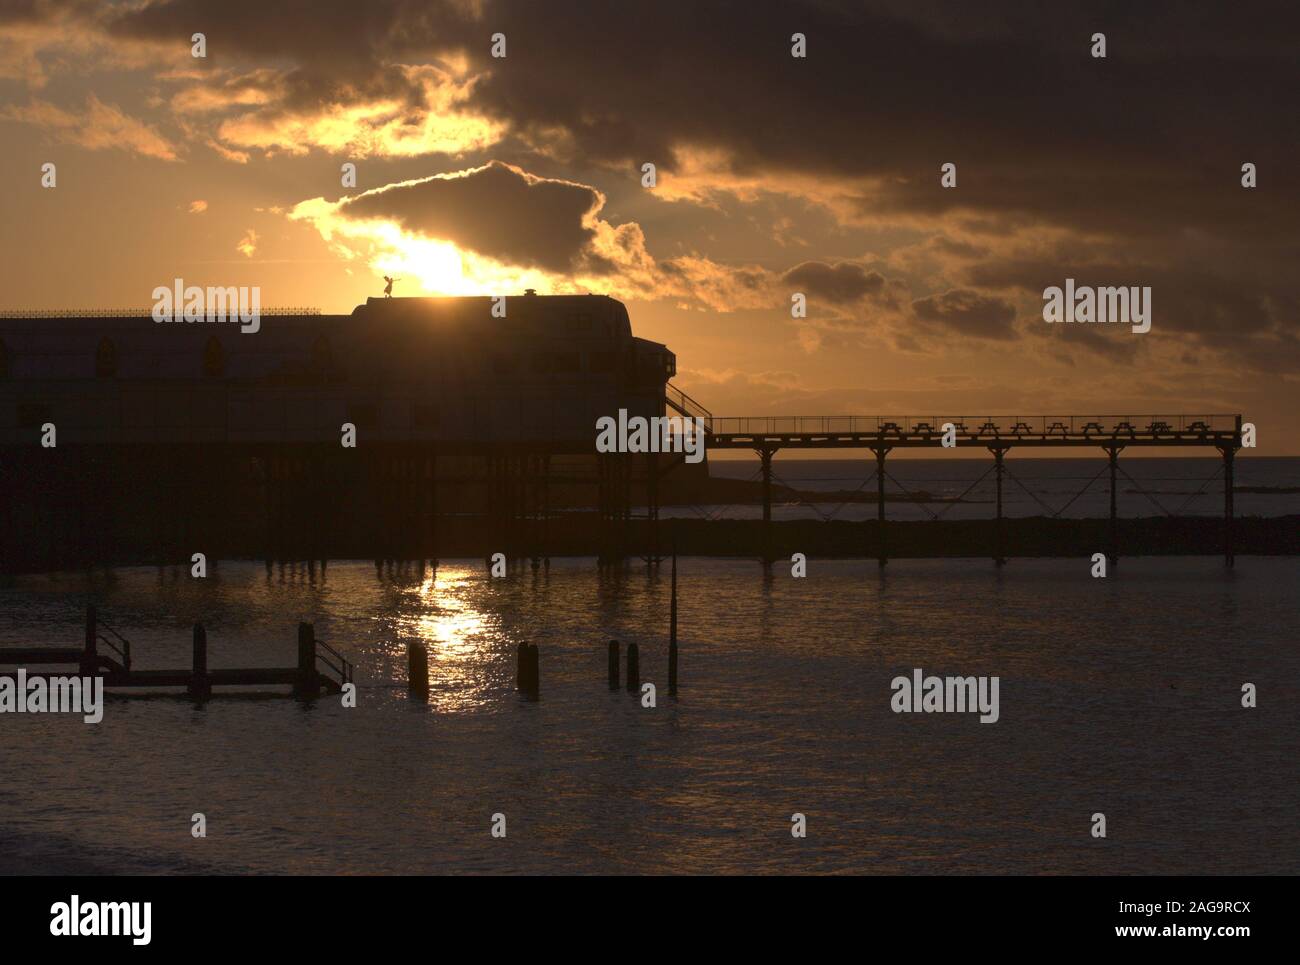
200 685
417 670
89 655
999 470
882 552
672 628
527 670
613 665
307 684
633 667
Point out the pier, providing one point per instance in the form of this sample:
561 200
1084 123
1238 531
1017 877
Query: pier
320 668
1000 435
335 441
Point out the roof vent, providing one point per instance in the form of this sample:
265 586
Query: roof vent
530 291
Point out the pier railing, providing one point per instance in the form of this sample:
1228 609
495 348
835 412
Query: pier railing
982 426
687 406
119 644
335 661
131 312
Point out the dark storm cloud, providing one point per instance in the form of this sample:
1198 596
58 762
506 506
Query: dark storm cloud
1148 140
1202 304
968 313
331 53
1151 138
495 210
841 283
1143 148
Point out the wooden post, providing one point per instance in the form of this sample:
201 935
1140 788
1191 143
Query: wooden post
633 668
765 464
527 672
672 627
1229 549
534 670
200 685
882 555
998 471
1113 453
433 507
90 656
308 684
417 670
652 504
613 665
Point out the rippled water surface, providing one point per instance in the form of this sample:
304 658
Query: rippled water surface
1120 696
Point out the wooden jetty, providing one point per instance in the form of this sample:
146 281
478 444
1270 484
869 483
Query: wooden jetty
320 668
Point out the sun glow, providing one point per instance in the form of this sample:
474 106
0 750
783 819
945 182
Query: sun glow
440 268
432 266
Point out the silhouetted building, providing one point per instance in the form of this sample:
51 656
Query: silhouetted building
183 437
400 369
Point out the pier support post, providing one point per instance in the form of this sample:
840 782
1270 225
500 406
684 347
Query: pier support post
433 507
1229 548
90 655
999 453
1112 452
200 685
546 511
308 683
672 628
613 665
527 676
417 671
652 504
604 505
633 667
765 455
882 553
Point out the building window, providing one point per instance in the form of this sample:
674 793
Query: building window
579 323
106 359
4 360
214 358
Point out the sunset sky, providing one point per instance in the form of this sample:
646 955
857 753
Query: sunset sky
775 174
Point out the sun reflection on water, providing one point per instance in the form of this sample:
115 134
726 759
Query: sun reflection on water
463 641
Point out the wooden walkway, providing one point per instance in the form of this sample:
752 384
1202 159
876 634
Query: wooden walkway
306 679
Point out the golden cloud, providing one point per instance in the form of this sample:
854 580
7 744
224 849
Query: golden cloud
99 127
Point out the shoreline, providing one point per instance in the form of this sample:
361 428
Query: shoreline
586 535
